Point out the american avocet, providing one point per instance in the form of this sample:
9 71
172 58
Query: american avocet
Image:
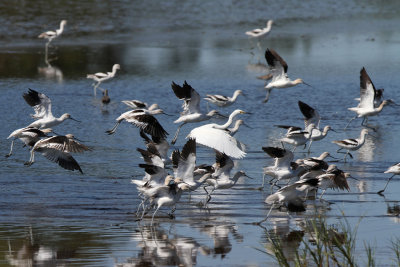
42 106
278 68
137 104
167 195
105 99
284 167
297 137
223 101
28 135
184 164
311 115
100 77
232 131
221 178
191 107
160 144
395 169
214 136
292 196
256 33
57 149
333 178
366 107
144 120
351 144
51 35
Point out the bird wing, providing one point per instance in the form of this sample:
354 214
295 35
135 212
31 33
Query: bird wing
47 34
187 161
367 90
310 114
277 65
347 142
223 166
151 156
40 102
189 95
101 74
64 159
217 139
134 103
148 123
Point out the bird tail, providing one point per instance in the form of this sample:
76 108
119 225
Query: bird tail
90 76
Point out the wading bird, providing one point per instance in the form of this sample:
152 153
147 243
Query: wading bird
351 144
100 77
223 101
395 169
256 33
51 35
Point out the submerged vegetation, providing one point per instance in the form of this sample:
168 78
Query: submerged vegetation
322 244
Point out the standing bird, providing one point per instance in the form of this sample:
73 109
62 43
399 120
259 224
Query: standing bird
311 116
214 135
28 135
395 169
50 35
42 106
223 101
368 93
191 107
296 137
278 68
105 99
351 144
100 77
143 119
256 33
57 149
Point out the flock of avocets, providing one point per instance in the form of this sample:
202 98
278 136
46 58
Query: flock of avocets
158 188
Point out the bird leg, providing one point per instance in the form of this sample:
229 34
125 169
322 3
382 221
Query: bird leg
152 217
114 128
171 214
266 218
9 154
31 160
309 147
176 134
320 197
267 96
95 87
350 121
383 190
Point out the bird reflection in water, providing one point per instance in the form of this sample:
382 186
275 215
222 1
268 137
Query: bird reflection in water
160 249
51 72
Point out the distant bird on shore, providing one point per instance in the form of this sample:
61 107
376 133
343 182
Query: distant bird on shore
223 101
100 77
256 33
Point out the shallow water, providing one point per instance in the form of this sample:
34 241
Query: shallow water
53 216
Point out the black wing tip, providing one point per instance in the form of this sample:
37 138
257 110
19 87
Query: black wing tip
274 152
188 148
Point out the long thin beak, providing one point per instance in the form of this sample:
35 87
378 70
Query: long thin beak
308 84
332 157
248 176
74 119
79 140
333 130
223 116
245 124
373 136
352 177
168 114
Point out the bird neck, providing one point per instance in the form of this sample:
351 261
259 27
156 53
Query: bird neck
235 95
229 122
379 109
362 138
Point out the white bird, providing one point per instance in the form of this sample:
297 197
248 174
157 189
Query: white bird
395 169
58 149
143 119
351 144
100 77
261 32
50 35
42 107
278 68
28 135
366 108
184 164
295 136
137 104
311 116
191 107
160 144
223 101
214 136
221 178
284 167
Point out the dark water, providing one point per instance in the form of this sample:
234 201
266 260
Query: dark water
51 216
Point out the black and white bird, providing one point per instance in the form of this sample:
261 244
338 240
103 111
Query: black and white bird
395 169
351 144
42 107
144 120
28 135
58 149
223 101
100 77
278 69
51 35
256 33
